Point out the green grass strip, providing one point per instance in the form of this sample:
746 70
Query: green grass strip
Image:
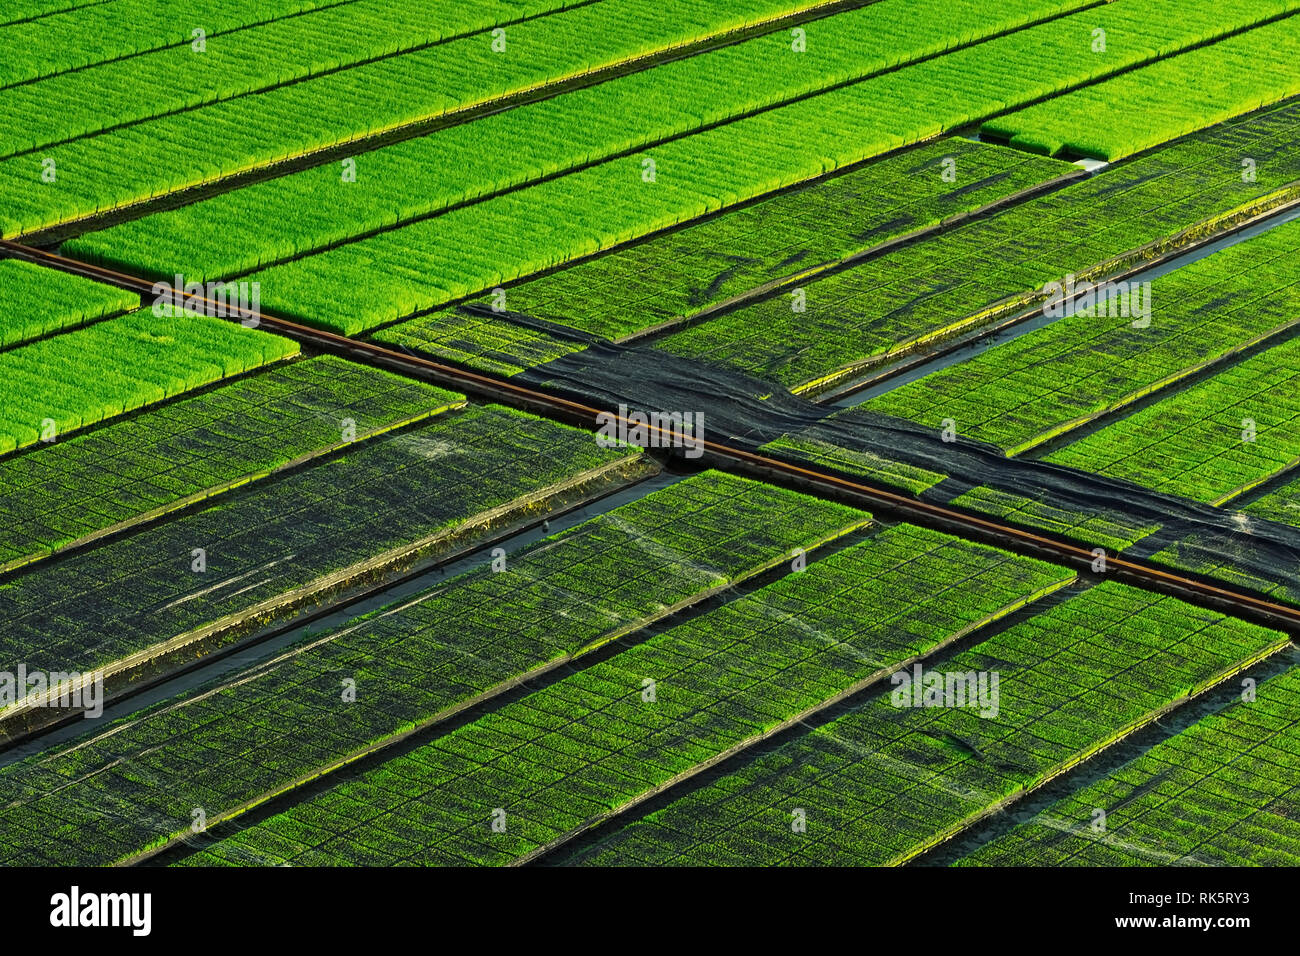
57 385
1173 97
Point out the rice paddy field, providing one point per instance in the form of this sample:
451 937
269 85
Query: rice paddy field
649 433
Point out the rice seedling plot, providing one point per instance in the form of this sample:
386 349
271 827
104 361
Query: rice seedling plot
953 281
35 301
680 274
1281 505
57 385
1223 792
676 275
420 266
588 745
246 228
485 342
1054 379
1112 529
862 462
884 782
245 61
1230 560
412 662
274 545
19 10
206 144
71 491
1210 442
374 621
57 42
1175 96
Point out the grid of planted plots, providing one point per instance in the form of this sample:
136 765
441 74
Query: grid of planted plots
974 325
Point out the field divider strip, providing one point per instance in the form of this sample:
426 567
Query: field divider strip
642 623
947 833
765 467
854 689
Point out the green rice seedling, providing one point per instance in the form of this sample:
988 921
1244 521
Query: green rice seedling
704 678
959 280
35 302
1170 806
252 47
1200 314
275 220
61 384
335 108
58 494
911 776
422 659
1174 96
1211 442
56 43
390 500
1281 505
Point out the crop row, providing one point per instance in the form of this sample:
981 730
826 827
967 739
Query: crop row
889 779
260 730
400 495
306 211
432 262
1174 97
72 34
287 50
18 10
60 384
35 302
1223 792
1211 441
1020 394
948 283
212 142
66 492
596 740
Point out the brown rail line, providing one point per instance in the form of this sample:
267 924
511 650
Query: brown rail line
1270 613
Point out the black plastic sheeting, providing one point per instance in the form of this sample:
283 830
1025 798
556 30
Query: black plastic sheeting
746 412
